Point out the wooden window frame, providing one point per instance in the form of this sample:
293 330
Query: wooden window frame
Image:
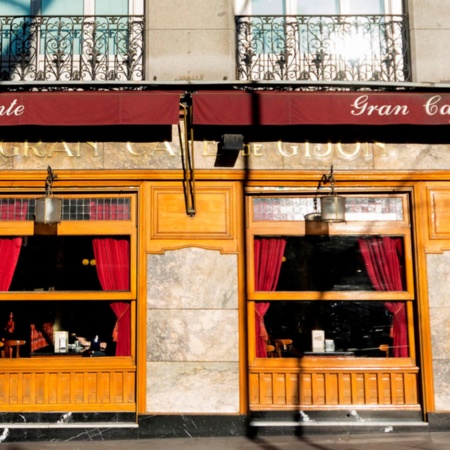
297 228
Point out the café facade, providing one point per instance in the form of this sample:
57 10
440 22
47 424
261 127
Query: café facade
192 269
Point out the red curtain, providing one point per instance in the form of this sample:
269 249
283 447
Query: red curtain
382 259
9 255
268 259
112 258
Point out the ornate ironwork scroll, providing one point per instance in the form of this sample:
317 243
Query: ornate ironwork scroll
323 48
48 48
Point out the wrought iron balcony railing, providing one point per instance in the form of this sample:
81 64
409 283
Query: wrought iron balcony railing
48 48
323 48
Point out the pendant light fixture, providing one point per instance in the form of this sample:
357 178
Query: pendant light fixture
48 208
332 206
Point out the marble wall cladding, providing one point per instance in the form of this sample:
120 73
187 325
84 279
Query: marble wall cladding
192 332
441 370
438 280
319 156
179 274
151 152
195 335
192 387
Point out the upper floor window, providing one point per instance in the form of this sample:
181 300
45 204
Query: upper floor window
326 40
74 7
319 7
55 40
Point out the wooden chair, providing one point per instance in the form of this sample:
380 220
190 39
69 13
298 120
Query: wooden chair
384 348
10 344
270 350
280 345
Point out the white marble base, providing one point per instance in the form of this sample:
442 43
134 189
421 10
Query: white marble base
192 387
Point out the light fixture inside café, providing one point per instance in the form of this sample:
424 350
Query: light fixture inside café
48 207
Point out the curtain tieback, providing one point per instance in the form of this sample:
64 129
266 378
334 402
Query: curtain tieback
115 333
262 327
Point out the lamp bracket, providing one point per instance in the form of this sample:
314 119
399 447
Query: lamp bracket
327 179
49 181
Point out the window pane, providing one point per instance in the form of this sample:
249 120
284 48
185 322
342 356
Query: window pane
261 7
356 208
339 263
317 7
58 263
62 8
80 319
111 8
362 7
360 328
15 8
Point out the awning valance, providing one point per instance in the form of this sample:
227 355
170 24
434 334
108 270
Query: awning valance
89 108
320 108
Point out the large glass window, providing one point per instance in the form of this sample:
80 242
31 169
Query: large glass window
69 283
348 283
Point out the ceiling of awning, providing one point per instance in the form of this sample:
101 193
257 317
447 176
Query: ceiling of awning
89 108
244 108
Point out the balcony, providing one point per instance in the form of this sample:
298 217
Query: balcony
84 48
323 48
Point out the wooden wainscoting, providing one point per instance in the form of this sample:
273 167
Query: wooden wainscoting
68 384
333 383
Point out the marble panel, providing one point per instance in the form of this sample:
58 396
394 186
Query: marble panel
414 157
142 155
319 156
440 332
192 387
192 335
438 269
293 156
170 280
441 370
59 155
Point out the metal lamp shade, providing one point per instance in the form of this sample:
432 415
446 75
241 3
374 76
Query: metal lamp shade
332 208
48 210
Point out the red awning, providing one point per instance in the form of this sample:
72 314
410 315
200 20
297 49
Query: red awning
89 108
320 108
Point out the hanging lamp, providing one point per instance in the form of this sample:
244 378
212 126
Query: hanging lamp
48 208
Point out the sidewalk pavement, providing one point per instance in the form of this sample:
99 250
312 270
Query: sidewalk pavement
375 441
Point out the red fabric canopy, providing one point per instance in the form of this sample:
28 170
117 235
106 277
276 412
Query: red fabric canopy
89 108
320 108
